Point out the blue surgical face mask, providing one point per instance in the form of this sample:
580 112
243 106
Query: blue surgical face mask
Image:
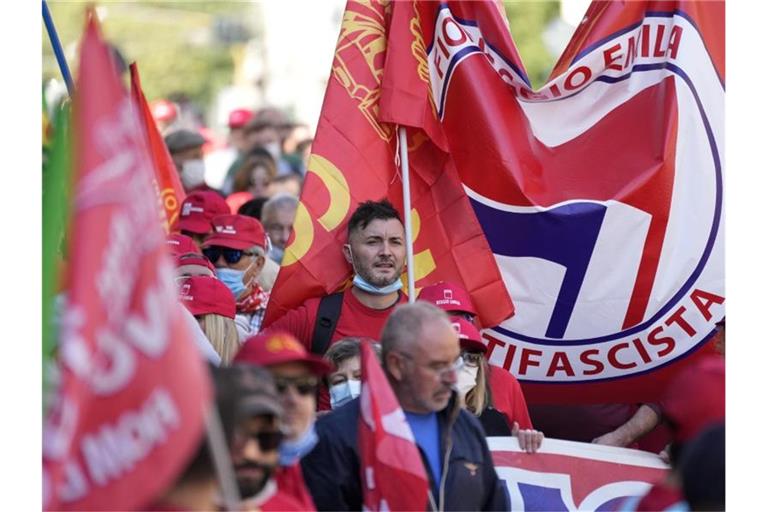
365 286
232 279
344 392
276 254
292 451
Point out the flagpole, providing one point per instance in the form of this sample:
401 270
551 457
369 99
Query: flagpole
57 50
222 463
407 211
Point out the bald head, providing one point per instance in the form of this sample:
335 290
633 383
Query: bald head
419 351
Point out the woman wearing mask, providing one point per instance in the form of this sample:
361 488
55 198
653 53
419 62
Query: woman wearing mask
213 306
474 389
344 380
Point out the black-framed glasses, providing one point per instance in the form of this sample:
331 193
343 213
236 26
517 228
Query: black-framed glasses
231 256
268 440
303 385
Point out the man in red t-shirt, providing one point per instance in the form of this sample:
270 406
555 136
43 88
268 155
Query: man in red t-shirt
376 252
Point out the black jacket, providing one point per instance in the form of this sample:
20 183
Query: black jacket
469 480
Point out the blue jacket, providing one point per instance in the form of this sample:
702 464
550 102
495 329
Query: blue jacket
469 480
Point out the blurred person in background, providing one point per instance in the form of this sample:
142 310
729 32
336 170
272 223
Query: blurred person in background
277 216
475 393
297 375
702 470
343 382
181 244
287 184
186 149
213 306
197 211
164 113
252 179
218 162
294 147
268 274
253 408
237 248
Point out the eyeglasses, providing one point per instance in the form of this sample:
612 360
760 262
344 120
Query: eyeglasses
472 359
303 385
268 440
231 256
440 368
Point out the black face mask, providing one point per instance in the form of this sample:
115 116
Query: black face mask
249 486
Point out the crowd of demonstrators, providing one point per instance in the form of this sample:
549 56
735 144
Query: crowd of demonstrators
228 245
421 357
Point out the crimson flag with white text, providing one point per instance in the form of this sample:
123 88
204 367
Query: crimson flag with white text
129 407
392 472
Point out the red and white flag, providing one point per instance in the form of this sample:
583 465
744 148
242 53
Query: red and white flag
393 474
166 181
600 194
129 407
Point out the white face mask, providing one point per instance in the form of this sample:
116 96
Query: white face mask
343 392
192 173
466 379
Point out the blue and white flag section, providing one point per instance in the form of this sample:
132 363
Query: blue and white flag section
600 195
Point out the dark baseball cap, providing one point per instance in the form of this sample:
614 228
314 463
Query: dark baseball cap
248 389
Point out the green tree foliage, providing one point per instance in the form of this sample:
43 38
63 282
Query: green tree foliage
527 21
174 43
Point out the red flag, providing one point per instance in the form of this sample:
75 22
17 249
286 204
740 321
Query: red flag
354 160
392 472
600 194
133 388
165 180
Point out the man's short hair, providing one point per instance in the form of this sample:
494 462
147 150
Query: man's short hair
281 200
404 326
369 211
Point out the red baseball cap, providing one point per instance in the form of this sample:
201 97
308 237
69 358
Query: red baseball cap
191 258
198 209
181 244
239 117
163 110
448 297
695 397
203 295
236 232
277 347
469 336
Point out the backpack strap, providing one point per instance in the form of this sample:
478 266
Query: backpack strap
328 313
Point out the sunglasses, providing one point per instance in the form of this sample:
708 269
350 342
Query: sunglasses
303 385
231 256
268 440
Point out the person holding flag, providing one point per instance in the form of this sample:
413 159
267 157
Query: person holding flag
421 358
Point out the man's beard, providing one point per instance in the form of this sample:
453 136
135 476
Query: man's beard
376 281
249 486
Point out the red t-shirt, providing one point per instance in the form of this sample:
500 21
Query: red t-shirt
290 481
508 397
660 497
281 501
355 319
